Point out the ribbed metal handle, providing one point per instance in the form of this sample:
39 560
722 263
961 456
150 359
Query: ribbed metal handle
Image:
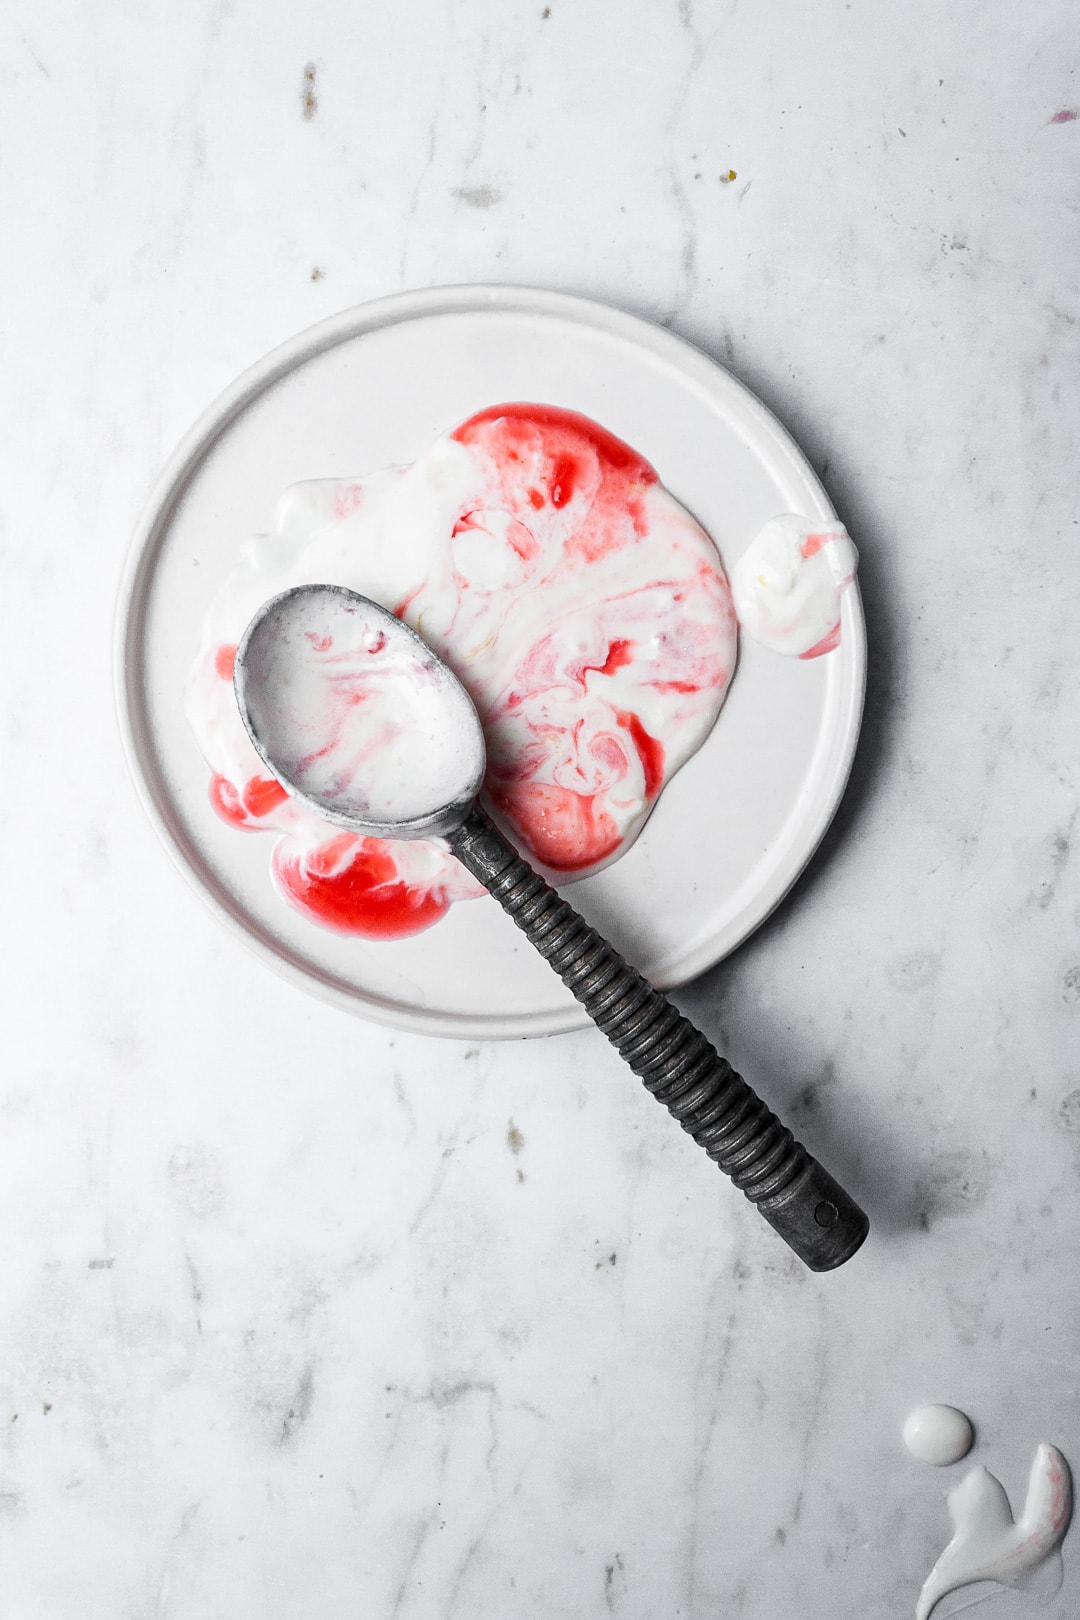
681 1068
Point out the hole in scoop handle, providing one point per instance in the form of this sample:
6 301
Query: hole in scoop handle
676 1062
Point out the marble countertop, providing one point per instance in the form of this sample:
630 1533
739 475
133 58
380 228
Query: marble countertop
300 1315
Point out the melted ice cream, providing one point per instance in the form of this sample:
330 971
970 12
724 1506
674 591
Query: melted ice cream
788 583
938 1434
988 1545
584 610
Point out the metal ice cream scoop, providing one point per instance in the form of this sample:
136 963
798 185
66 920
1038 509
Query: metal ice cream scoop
416 772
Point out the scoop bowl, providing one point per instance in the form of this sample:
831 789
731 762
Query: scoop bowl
356 717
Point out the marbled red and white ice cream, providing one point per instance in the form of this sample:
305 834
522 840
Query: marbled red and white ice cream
584 610
789 583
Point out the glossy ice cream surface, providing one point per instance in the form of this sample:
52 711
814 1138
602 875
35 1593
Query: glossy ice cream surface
585 611
789 582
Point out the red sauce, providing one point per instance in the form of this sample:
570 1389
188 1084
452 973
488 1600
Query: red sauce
351 884
620 653
263 794
347 498
650 752
565 829
826 644
542 448
260 795
226 800
563 474
568 425
676 686
225 661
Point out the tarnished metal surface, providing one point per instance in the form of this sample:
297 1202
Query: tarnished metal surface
676 1062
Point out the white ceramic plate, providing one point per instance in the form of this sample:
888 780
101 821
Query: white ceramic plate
372 387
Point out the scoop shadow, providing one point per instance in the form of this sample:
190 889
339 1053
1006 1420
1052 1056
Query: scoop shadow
884 628
848 1136
839 1127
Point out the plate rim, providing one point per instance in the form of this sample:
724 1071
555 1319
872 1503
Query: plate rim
167 490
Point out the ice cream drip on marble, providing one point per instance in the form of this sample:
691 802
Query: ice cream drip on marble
788 584
938 1434
989 1545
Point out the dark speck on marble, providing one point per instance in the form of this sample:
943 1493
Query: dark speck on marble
612 1574
807 1100
785 1268
478 196
449 1392
914 971
1058 849
954 1184
300 1407
44 71
309 101
1069 1111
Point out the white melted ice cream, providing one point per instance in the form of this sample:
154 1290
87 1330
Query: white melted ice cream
788 584
584 610
989 1545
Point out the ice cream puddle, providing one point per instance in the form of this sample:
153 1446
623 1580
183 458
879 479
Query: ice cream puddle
357 719
584 610
788 584
938 1434
989 1545
586 613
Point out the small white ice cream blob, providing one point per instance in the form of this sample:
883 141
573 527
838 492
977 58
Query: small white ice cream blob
788 583
938 1434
